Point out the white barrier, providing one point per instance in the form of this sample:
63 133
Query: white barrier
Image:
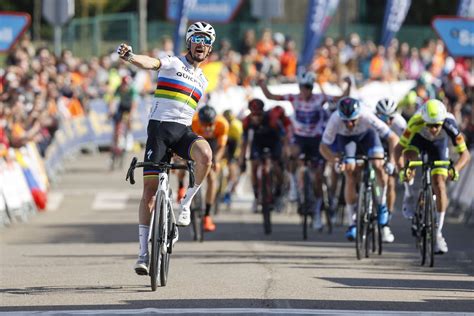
236 98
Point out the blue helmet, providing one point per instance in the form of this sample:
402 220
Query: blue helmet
348 108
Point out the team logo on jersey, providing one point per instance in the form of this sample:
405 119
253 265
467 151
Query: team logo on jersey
406 133
149 153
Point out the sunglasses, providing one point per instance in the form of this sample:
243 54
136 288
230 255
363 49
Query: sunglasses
350 121
385 118
307 86
201 39
437 125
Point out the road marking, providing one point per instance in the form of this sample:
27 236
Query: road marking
109 201
232 311
54 201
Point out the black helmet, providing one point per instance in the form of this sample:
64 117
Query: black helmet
256 106
207 114
348 108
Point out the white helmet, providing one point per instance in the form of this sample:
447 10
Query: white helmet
386 107
201 27
433 112
306 78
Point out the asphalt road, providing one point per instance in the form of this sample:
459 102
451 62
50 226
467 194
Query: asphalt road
79 255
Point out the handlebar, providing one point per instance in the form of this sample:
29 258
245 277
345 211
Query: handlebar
436 163
161 165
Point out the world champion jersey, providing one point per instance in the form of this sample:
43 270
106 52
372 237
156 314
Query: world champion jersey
367 120
178 91
310 118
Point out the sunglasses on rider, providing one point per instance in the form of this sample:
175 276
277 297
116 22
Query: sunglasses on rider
350 121
201 39
436 125
385 118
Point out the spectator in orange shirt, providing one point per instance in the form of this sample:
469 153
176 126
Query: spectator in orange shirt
265 44
289 60
377 64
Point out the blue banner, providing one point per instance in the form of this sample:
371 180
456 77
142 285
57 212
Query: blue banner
457 34
180 28
466 8
221 11
395 13
317 21
12 26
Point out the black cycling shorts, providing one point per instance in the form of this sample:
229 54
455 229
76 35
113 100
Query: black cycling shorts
163 135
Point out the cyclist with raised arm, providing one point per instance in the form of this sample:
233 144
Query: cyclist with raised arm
180 86
428 131
309 122
355 130
214 129
386 110
264 129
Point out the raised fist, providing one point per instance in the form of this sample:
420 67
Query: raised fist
124 50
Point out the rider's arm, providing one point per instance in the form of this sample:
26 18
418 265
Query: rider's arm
398 156
267 92
345 93
144 62
457 139
392 140
141 61
327 153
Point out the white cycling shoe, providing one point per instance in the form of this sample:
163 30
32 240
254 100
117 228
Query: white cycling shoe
141 266
184 217
387 235
441 246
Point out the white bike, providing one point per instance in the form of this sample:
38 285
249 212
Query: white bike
163 230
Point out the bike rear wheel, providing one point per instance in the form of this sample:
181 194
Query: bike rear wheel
155 258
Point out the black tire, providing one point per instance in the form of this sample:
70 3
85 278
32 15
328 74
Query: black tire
368 222
266 200
155 257
424 232
417 226
219 191
340 208
360 235
430 227
165 249
326 207
305 226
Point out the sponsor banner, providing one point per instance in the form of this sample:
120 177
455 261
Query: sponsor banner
395 13
221 11
94 129
12 26
318 18
457 34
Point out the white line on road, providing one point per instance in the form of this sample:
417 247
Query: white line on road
54 201
109 201
232 311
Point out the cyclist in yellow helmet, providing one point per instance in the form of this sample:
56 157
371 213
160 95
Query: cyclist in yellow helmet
428 131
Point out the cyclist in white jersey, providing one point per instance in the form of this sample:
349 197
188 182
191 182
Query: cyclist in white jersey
309 122
354 130
180 86
386 110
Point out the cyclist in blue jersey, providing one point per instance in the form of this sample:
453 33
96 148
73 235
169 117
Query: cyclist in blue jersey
181 84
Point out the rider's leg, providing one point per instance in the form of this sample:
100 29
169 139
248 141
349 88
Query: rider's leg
408 207
293 169
391 193
201 153
254 166
211 190
350 194
318 193
439 188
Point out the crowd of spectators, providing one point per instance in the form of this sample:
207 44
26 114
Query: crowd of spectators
39 90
